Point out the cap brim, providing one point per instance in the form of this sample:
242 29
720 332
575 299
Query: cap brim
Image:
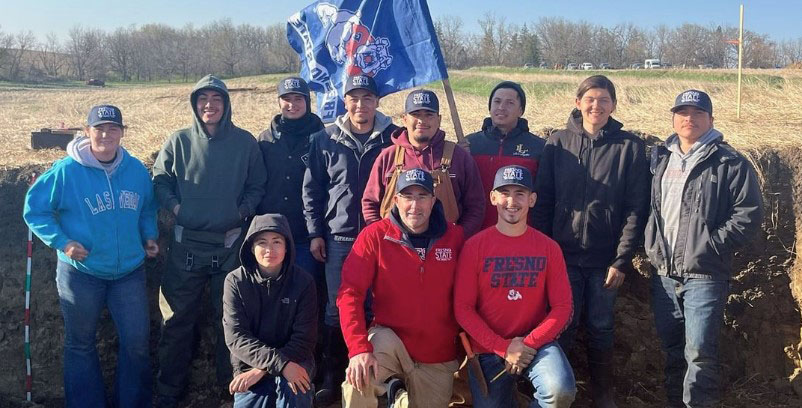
102 122
361 87
420 109
678 107
418 185
513 184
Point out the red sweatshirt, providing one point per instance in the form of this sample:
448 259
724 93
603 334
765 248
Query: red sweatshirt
411 296
509 287
463 173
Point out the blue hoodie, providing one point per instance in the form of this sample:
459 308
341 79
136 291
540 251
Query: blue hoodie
110 210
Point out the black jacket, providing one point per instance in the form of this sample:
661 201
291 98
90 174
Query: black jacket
337 174
286 153
722 210
269 322
593 195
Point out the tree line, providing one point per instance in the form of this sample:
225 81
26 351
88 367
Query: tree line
148 53
160 52
556 42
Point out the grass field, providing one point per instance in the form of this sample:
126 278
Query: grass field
771 116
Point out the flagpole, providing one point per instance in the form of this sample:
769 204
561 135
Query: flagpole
740 61
452 107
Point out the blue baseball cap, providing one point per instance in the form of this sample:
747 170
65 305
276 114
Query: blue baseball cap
693 97
360 82
101 114
422 99
513 176
415 177
293 85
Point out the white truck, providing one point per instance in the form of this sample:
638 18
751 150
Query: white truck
651 63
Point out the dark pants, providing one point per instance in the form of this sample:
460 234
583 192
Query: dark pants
180 301
593 307
336 252
688 314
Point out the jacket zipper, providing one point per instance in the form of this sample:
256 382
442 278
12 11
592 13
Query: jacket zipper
583 237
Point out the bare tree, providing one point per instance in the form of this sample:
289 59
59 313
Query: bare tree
451 39
280 52
120 48
226 45
51 56
85 47
20 46
791 51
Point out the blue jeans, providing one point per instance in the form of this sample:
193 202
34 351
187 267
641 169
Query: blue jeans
82 298
274 392
336 252
594 305
550 374
688 314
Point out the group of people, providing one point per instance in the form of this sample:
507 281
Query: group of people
347 261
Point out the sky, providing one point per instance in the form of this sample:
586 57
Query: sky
780 19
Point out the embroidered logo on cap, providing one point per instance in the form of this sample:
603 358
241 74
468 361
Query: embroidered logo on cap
106 113
360 81
421 98
292 83
690 96
513 174
415 175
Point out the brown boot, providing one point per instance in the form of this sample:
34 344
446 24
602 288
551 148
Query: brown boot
602 379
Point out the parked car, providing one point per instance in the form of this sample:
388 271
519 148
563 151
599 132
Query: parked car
636 66
705 66
651 63
587 66
571 66
605 65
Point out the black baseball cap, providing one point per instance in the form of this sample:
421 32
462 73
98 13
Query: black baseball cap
360 82
693 97
422 99
101 114
513 175
415 177
293 85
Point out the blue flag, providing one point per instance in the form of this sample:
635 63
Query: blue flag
391 40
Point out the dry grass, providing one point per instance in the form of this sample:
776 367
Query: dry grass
771 116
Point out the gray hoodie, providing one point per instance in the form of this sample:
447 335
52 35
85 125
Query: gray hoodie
218 179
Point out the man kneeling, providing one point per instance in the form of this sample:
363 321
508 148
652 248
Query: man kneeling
270 320
407 261
513 299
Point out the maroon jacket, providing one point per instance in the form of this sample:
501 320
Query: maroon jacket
464 173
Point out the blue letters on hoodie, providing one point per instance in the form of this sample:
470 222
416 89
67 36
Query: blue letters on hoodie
110 211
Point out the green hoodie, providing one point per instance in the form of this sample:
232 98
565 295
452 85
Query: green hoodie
217 179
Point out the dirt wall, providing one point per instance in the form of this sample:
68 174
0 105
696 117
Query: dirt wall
761 347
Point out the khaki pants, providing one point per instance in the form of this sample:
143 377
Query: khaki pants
428 385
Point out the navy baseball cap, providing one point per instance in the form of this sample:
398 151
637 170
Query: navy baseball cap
693 97
293 85
422 99
513 176
101 114
415 177
360 82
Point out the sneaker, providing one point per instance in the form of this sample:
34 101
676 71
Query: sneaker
394 387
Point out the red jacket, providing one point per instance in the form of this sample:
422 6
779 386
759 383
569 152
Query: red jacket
411 296
491 150
511 287
463 173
